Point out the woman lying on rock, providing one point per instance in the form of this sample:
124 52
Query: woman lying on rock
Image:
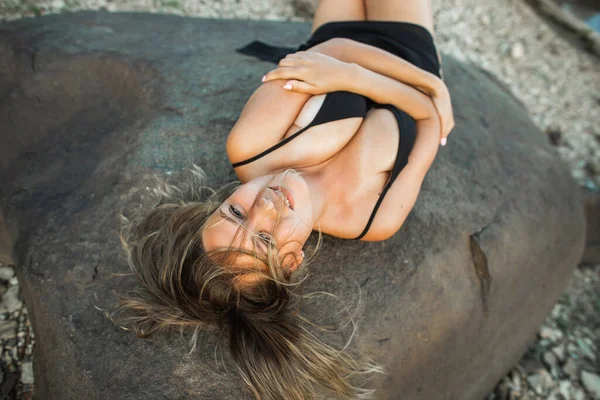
337 139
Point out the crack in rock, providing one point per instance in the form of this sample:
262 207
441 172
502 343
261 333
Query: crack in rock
480 262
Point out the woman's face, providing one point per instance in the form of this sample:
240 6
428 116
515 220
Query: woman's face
256 207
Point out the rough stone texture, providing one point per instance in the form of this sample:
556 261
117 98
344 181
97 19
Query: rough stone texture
97 105
591 201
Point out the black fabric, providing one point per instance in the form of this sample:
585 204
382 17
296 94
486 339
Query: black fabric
336 106
408 41
265 52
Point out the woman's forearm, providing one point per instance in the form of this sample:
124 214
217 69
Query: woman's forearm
381 62
386 90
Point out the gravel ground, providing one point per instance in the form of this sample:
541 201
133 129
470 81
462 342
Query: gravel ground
556 81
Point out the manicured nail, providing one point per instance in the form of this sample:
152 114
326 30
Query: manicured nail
287 86
443 141
263 78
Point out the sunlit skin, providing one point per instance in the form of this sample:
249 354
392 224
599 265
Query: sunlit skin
255 206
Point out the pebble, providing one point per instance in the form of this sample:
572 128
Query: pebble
586 349
6 273
8 329
541 382
551 362
27 373
578 394
570 368
516 383
591 382
573 351
517 51
58 4
565 388
10 301
559 352
550 334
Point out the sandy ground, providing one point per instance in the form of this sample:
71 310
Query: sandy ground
558 83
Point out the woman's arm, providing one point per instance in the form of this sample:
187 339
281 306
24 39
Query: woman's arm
384 90
316 73
387 64
380 61
265 119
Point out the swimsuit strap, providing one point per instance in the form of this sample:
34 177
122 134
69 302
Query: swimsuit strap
408 130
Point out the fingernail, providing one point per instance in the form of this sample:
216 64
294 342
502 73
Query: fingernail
443 141
287 86
263 78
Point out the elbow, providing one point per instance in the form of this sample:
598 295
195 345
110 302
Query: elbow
234 146
429 111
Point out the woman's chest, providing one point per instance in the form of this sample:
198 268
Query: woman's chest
362 170
366 145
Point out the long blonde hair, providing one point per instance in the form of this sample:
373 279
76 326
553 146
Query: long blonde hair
182 286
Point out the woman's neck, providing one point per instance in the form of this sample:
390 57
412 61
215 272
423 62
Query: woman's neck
328 187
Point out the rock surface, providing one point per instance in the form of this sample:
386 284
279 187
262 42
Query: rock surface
98 105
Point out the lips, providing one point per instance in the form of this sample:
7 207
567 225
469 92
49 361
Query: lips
285 194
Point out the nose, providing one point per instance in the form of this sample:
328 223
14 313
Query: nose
267 207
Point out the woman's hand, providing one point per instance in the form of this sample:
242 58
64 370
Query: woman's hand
443 105
311 72
317 73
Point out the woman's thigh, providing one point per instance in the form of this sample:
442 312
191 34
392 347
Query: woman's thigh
338 10
418 12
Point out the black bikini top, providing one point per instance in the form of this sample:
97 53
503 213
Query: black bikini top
338 106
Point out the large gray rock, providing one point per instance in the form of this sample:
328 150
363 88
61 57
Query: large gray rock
94 106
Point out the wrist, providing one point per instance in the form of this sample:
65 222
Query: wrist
353 77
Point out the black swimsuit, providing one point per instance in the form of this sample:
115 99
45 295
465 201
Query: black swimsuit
408 41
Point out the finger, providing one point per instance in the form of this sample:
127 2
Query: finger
446 133
449 126
282 73
297 54
299 86
291 62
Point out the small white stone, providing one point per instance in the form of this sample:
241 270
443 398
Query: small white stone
517 50
6 273
565 388
578 394
27 373
571 368
549 358
586 348
591 382
535 382
8 329
516 383
559 352
10 301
